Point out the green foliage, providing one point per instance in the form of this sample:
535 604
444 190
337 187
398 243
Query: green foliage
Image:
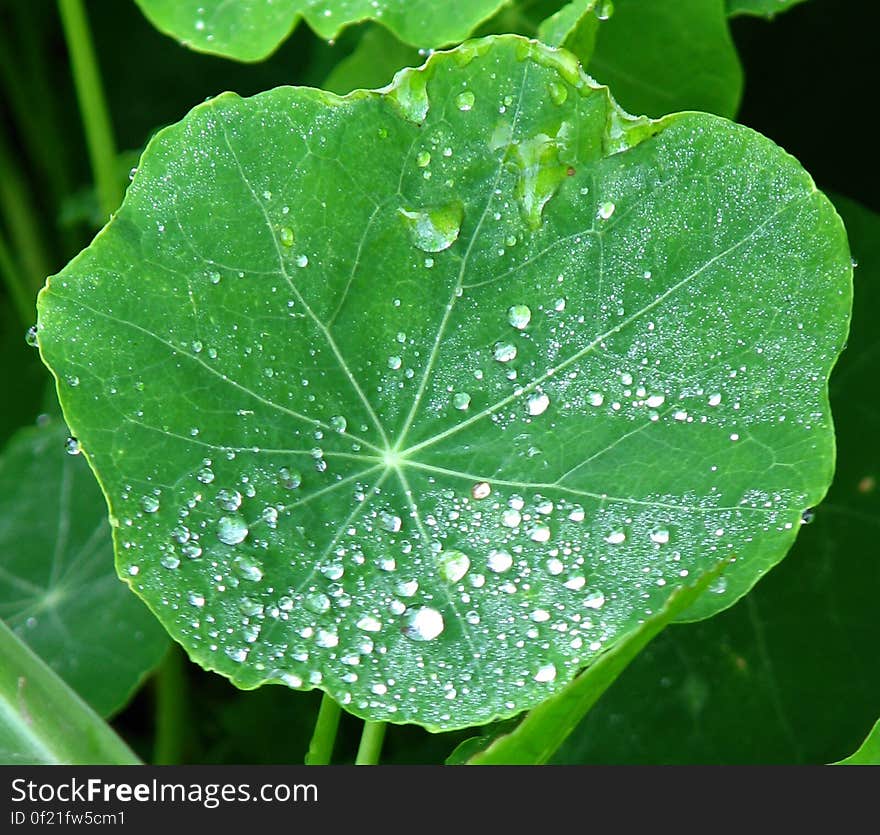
42 721
443 399
868 752
309 475
761 8
58 589
249 30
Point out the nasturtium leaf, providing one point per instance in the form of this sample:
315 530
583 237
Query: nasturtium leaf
250 30
657 57
43 721
372 63
868 752
58 587
426 396
761 8
797 657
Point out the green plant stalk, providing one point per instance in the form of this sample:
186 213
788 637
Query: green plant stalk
171 708
324 736
29 94
9 275
23 227
370 748
92 104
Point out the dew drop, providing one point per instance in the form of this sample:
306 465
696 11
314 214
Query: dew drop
615 537
205 475
606 209
537 403
465 100
595 398
317 602
660 536
369 624
546 673
30 336
423 159
150 504
391 523
394 363
481 490
286 236
423 624
461 400
434 230
504 352
452 565
338 423
229 499
655 401
231 530
519 315
72 447
499 561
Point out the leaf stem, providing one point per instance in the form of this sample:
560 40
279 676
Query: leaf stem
370 748
24 230
324 736
171 708
92 104
9 275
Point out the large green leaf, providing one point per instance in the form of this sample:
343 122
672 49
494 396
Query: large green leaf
42 721
762 8
797 658
868 752
250 30
58 587
425 397
657 57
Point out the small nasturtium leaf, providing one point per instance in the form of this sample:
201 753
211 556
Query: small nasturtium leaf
43 721
58 587
250 30
761 8
868 752
426 396
657 57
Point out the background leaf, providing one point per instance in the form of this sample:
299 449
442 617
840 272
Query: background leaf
58 587
665 57
404 456
42 721
762 8
796 658
868 752
250 30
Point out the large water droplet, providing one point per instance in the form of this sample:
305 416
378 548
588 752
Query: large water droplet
519 315
461 400
435 229
317 603
229 499
423 624
537 403
31 336
504 352
72 447
231 530
499 561
452 565
465 100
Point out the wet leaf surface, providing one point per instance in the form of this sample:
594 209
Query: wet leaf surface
425 397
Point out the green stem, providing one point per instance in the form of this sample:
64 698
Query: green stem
171 708
324 736
9 274
23 228
371 743
92 104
